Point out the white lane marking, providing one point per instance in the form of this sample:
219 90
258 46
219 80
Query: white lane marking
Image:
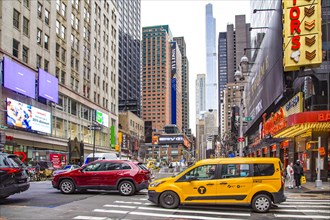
301 216
196 211
91 218
301 210
308 200
305 203
124 202
121 206
179 216
110 211
304 206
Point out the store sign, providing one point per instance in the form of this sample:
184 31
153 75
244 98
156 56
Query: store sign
302 31
102 118
26 116
294 105
170 139
275 123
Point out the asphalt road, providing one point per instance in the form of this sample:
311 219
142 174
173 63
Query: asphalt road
44 202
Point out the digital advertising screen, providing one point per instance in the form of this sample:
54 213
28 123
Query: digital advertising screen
48 86
102 118
28 117
19 78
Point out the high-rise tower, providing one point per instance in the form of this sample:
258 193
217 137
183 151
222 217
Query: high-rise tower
211 60
129 55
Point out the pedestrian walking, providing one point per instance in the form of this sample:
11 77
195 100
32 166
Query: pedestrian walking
298 172
289 175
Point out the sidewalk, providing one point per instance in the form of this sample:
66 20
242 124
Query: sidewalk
310 187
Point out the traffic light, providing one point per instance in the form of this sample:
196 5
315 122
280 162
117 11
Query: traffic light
117 147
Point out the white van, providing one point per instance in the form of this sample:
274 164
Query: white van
100 156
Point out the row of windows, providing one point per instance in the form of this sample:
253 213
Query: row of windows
17 48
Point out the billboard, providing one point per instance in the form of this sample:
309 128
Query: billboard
170 139
102 118
173 99
266 81
19 78
173 58
302 34
48 86
28 117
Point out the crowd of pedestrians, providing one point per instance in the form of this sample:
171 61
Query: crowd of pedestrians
294 174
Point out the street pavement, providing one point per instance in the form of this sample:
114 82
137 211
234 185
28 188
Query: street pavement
310 187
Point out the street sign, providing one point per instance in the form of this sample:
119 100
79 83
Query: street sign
240 139
248 118
94 127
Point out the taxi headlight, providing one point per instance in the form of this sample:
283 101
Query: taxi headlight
155 184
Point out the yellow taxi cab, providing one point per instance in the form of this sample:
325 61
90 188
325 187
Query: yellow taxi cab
243 181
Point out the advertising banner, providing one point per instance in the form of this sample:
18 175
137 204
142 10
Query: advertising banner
19 78
173 99
58 160
266 82
48 86
173 58
302 34
28 117
102 118
170 139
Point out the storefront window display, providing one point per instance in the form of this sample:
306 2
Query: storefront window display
300 151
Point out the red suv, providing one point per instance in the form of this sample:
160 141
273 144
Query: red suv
126 176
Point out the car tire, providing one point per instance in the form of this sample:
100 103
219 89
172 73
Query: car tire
126 188
67 186
261 203
169 200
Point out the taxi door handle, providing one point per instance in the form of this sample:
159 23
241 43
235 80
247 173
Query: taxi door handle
210 184
223 183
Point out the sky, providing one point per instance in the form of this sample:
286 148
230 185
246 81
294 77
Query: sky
186 18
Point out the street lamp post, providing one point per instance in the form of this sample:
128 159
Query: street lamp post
94 127
239 76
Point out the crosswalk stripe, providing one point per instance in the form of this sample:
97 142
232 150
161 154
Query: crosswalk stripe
301 210
301 216
120 206
111 211
303 206
193 210
307 200
305 203
91 218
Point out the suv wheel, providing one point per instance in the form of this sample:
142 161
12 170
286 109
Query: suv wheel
261 203
126 188
169 200
67 186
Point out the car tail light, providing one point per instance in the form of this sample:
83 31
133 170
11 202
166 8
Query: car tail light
11 170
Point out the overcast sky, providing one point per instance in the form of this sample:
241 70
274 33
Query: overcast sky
187 18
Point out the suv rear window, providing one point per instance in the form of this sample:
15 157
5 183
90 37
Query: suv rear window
142 166
263 169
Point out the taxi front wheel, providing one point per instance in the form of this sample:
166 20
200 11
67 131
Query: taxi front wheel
169 200
261 203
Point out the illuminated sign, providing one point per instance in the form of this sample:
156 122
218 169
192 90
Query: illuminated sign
275 123
302 31
28 117
294 105
173 58
102 118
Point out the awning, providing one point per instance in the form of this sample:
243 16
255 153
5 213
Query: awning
305 122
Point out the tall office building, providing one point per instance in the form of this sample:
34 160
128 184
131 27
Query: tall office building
222 75
238 39
211 60
200 95
156 76
129 55
74 45
185 83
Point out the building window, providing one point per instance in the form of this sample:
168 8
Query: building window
46 41
39 32
25 54
46 16
58 48
16 19
25 26
63 9
57 27
26 3
46 65
63 54
63 32
58 5
39 10
15 48
39 58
